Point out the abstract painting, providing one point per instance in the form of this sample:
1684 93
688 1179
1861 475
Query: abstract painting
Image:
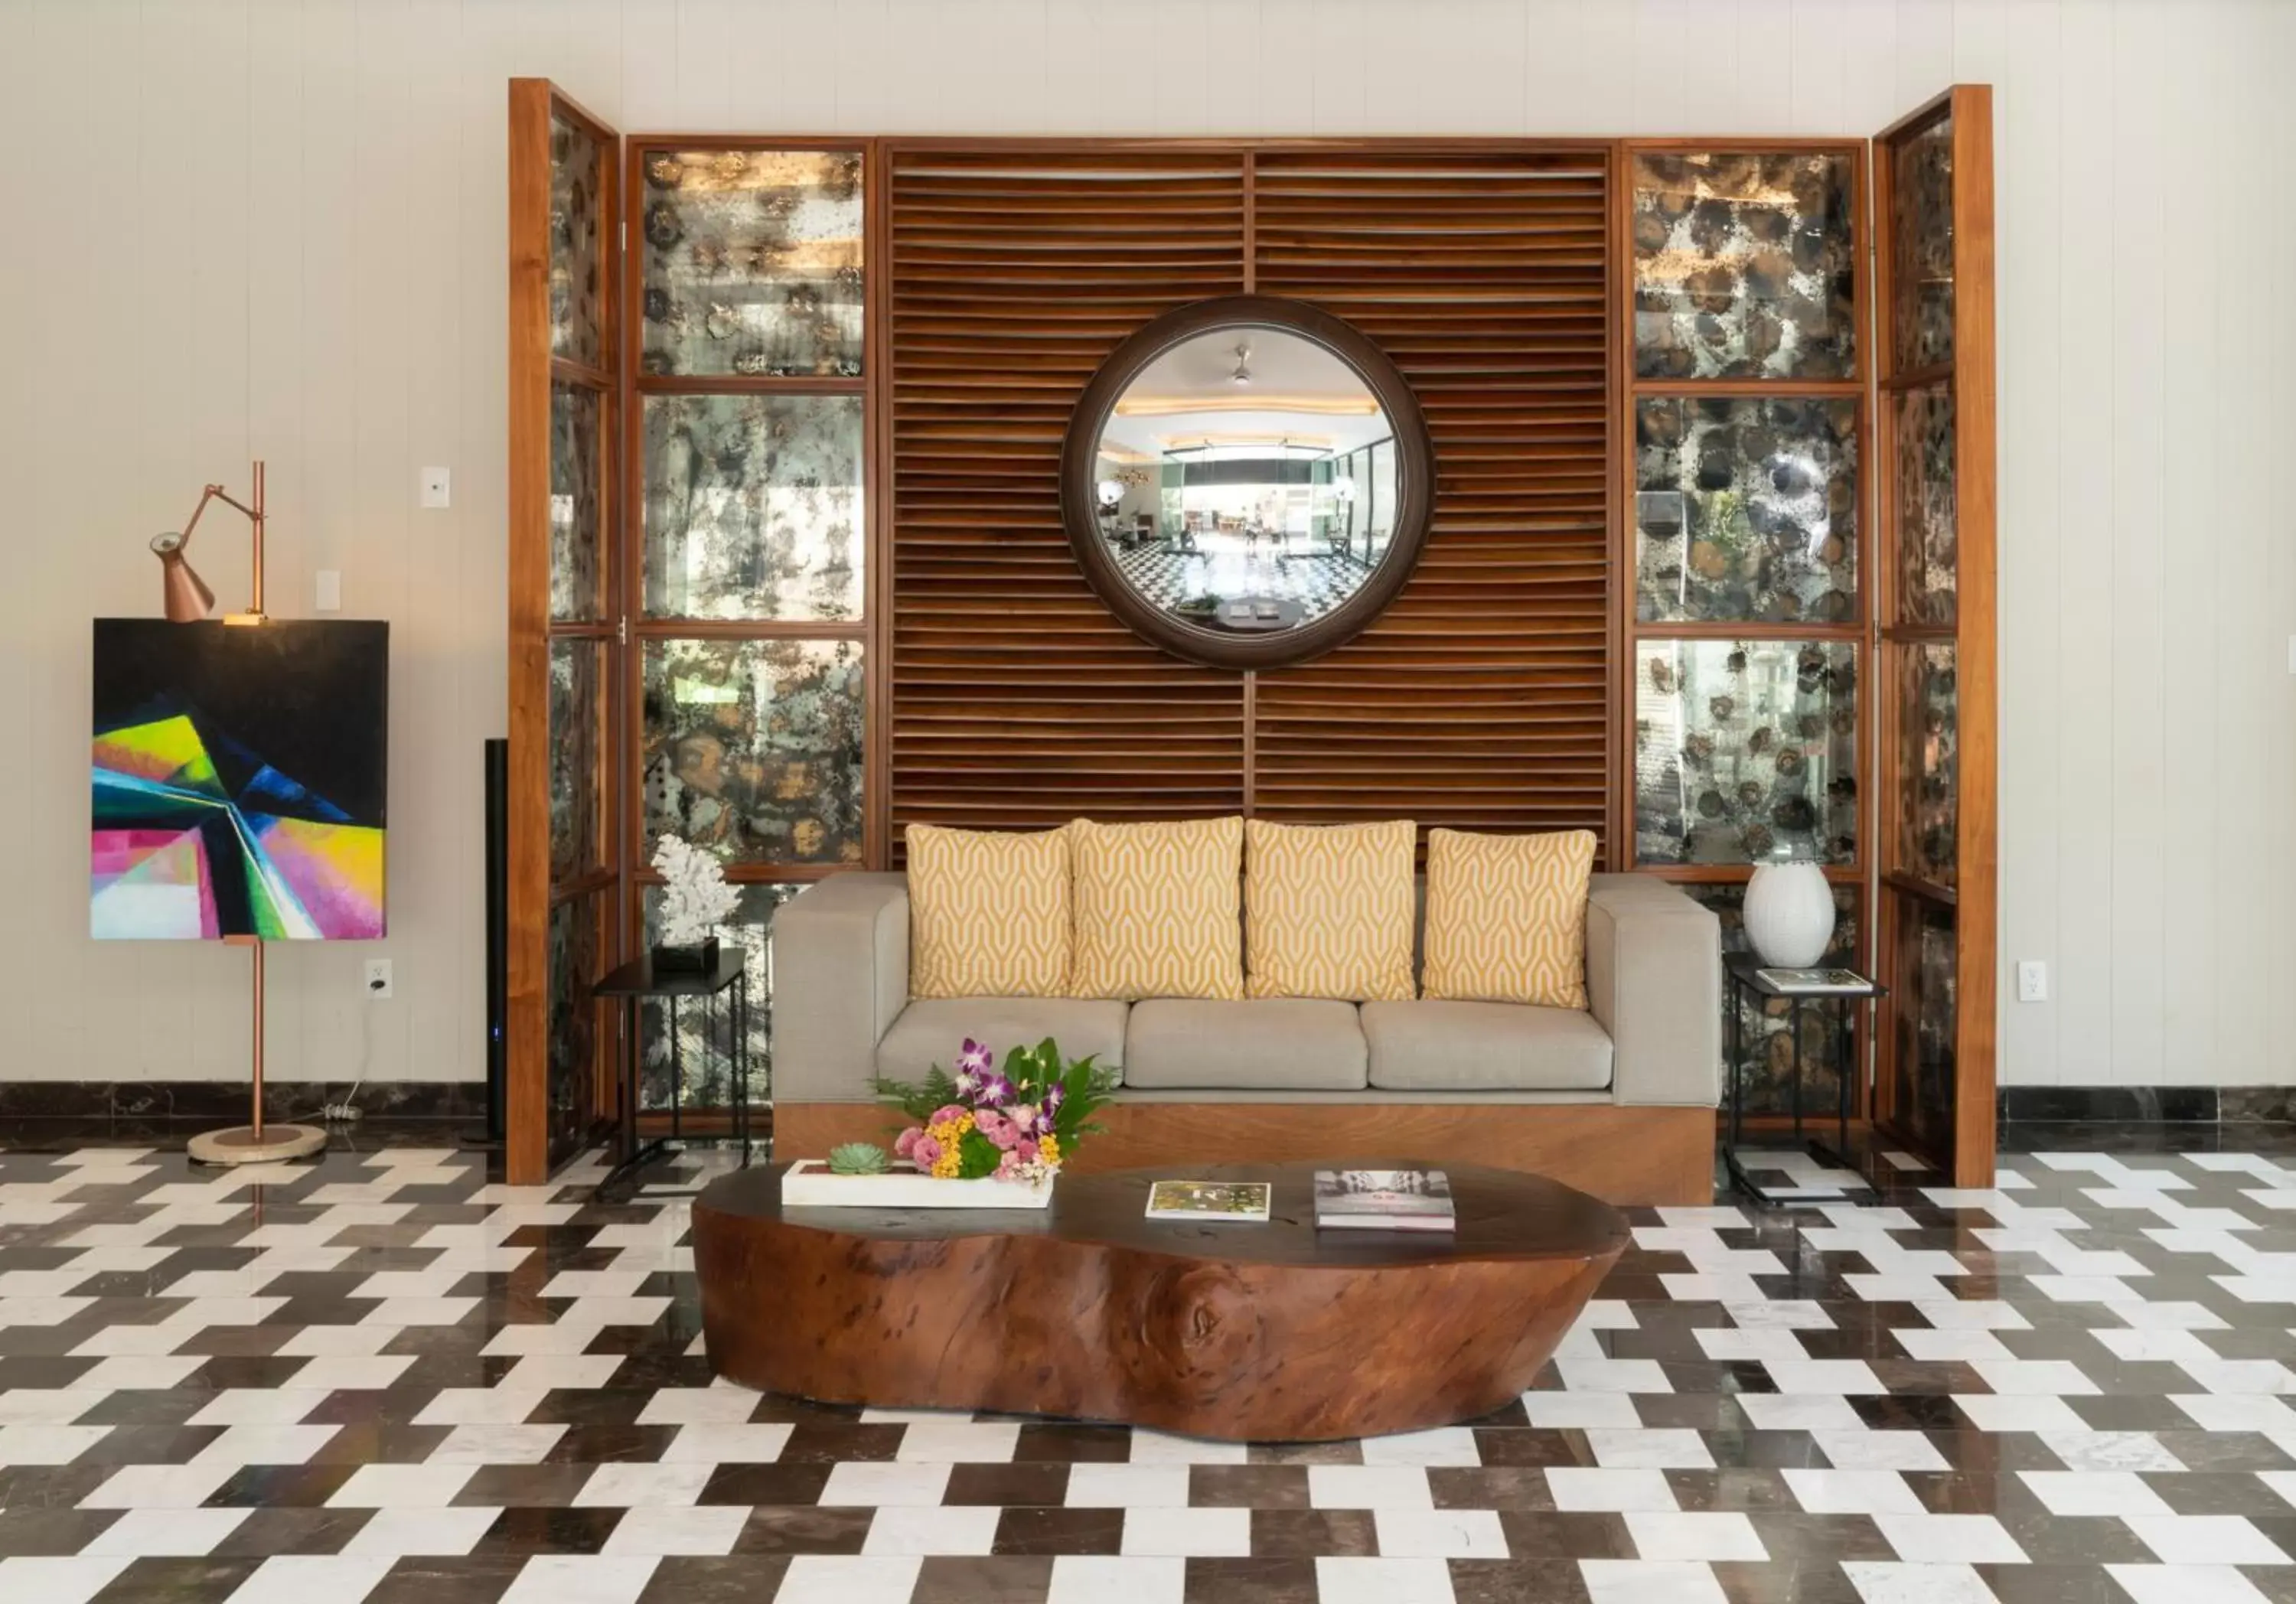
239 781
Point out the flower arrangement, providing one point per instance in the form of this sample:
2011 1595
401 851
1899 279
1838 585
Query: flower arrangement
1018 1123
695 898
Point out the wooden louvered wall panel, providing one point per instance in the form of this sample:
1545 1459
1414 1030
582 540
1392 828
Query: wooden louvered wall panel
1017 698
1479 698
1477 701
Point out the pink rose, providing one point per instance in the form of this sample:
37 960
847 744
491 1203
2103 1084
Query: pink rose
1024 1117
1008 1167
947 1111
924 1152
998 1129
1027 1151
906 1142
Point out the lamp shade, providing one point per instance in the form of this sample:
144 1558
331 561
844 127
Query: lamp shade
185 596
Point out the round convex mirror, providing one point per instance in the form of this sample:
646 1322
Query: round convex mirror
1247 481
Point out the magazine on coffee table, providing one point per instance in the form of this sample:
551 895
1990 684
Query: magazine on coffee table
1240 1202
1383 1200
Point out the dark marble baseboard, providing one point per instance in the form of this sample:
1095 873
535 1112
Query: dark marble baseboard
214 1103
2147 1105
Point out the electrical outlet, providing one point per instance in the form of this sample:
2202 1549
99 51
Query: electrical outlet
435 487
2032 980
378 979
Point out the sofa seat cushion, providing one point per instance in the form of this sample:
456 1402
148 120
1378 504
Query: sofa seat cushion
1444 1046
1279 1043
931 1029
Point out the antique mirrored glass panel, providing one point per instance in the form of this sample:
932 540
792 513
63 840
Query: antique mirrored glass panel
1247 486
753 507
573 960
577 265
577 556
1921 257
578 742
703 1060
1923 984
1922 433
752 749
1746 510
1929 763
1765 1028
1745 751
1744 266
752 263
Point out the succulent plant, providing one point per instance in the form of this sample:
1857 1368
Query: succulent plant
858 1159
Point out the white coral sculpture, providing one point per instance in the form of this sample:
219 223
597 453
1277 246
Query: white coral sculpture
695 897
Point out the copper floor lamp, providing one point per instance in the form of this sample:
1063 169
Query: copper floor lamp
186 600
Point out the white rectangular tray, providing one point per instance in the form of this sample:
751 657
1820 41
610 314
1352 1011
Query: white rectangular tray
808 1185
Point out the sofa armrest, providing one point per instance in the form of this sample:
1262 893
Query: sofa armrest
1654 982
840 968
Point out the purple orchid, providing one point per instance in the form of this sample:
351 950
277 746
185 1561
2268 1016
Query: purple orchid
996 1090
1055 1095
975 1059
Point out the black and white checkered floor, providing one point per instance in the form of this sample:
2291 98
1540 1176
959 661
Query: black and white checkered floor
381 1377
1229 567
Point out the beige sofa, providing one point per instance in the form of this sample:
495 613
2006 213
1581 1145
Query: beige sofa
1617 1098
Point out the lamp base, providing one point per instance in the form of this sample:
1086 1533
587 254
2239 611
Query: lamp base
243 1144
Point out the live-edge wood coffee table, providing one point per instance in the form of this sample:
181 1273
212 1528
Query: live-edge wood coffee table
1090 1311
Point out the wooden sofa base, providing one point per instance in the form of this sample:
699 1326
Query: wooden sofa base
1620 1154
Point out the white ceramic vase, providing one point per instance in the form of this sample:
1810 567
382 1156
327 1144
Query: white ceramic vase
1789 915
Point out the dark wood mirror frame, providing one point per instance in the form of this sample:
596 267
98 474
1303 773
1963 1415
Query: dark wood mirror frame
1414 477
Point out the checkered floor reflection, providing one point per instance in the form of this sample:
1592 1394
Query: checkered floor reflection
1229 567
382 1378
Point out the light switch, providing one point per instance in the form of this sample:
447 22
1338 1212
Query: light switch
330 598
435 488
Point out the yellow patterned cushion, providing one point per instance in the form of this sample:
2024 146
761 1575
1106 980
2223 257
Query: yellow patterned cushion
988 913
1156 909
1328 910
1506 917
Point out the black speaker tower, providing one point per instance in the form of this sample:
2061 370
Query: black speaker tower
497 939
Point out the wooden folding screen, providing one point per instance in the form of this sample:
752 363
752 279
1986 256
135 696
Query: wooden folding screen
1937 769
1744 573
750 559
1661 600
565 865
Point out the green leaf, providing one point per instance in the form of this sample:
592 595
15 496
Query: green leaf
918 1101
977 1157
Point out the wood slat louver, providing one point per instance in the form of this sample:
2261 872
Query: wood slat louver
1018 700
1477 701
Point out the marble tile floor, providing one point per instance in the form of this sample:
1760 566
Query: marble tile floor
383 1377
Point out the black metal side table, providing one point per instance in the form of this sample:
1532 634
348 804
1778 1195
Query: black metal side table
635 982
1743 970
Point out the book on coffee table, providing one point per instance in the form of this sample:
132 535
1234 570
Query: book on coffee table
1243 1202
1383 1200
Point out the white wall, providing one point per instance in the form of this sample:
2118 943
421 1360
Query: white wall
254 226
